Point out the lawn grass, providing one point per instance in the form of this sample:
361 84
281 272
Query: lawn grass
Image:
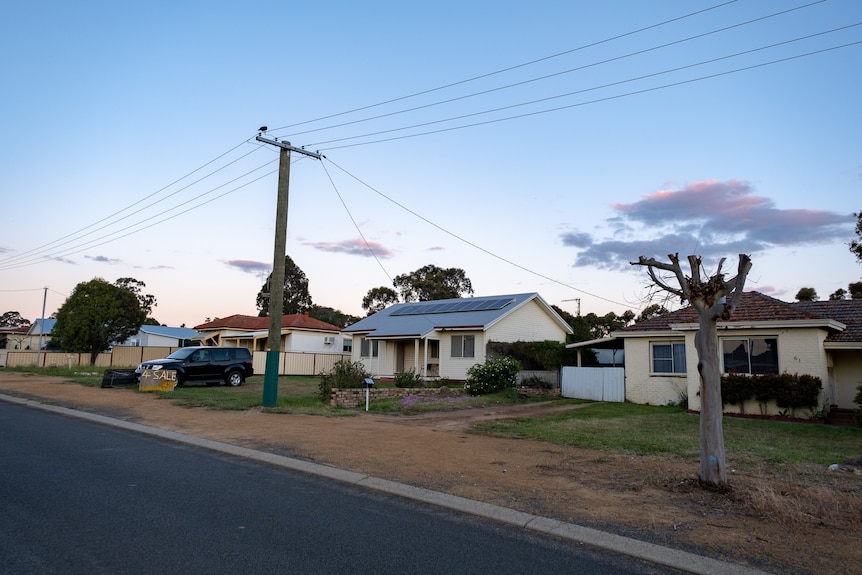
619 427
84 374
296 394
651 430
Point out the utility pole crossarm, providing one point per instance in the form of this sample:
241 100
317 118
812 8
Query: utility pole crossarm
287 146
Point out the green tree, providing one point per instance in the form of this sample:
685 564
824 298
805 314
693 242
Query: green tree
333 316
13 319
807 294
96 315
297 299
379 298
838 294
650 311
602 326
856 245
431 283
855 290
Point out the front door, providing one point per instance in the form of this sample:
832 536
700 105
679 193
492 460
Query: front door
399 357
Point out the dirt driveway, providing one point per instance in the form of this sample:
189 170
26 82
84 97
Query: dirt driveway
648 498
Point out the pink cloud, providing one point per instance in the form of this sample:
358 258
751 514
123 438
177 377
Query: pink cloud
356 247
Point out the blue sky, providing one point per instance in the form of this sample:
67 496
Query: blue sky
538 149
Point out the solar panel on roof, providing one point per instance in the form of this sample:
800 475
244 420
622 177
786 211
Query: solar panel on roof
455 306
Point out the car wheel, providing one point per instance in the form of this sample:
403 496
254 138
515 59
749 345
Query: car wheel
234 378
180 380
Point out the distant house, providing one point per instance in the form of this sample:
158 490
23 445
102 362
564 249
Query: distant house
40 329
764 335
444 338
299 333
15 337
162 336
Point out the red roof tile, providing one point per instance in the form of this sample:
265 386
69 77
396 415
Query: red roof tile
256 323
753 307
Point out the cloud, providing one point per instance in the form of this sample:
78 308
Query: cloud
103 259
258 269
709 218
356 247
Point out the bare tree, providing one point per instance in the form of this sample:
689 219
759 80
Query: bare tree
713 298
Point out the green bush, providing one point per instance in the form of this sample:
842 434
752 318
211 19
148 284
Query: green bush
344 373
409 379
496 374
736 389
534 355
786 390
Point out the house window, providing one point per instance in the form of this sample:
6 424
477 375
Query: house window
750 355
668 358
434 348
347 345
463 345
368 348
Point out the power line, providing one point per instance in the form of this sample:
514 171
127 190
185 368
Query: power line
355 225
553 75
471 244
585 103
515 67
130 206
114 236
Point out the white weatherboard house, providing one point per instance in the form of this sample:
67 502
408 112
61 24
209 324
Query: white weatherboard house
764 335
161 335
444 338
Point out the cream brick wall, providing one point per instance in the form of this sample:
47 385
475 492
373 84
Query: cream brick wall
641 386
799 351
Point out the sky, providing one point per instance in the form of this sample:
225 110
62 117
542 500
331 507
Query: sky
539 148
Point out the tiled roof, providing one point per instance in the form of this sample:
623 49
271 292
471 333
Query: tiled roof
753 307
19 330
847 311
255 323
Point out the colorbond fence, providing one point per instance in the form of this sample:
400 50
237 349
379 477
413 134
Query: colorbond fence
292 363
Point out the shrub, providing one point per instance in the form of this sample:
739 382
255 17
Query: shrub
786 390
536 382
409 379
735 389
494 375
344 373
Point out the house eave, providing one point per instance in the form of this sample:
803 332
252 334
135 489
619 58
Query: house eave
842 345
822 323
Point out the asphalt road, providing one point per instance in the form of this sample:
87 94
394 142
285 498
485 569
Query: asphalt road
80 497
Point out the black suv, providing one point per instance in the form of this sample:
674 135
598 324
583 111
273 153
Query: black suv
210 365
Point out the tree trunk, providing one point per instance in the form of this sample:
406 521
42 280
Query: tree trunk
712 454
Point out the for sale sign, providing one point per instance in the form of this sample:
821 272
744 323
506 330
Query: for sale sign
158 380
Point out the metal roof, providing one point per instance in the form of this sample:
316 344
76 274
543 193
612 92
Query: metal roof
419 319
167 331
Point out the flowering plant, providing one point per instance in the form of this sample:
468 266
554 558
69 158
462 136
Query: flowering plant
496 374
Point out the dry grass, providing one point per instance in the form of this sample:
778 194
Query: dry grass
792 497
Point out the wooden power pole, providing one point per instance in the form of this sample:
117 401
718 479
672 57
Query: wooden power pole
276 287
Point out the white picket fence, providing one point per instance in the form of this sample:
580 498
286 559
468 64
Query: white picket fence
596 383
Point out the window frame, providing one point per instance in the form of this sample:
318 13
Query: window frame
675 369
462 346
762 342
